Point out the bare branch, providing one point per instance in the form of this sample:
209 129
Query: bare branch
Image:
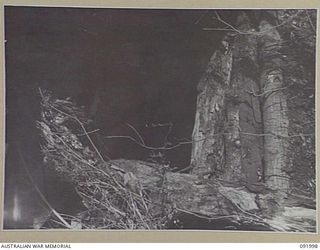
231 26
170 124
203 14
270 91
43 198
90 132
216 29
206 217
241 32
137 133
165 147
310 21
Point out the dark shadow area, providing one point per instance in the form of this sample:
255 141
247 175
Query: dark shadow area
123 66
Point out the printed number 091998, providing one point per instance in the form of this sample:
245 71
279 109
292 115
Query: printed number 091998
308 245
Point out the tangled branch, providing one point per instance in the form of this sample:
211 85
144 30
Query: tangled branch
232 28
114 198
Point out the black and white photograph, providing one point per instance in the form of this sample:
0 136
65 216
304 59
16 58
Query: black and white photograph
159 119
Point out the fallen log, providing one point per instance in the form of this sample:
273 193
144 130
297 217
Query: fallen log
213 199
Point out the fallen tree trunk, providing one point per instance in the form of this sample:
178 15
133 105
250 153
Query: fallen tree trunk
214 199
189 192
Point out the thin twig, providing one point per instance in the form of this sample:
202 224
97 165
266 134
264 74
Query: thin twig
199 140
203 14
137 133
216 29
168 133
310 21
90 132
43 198
231 26
148 147
265 92
184 169
257 33
204 216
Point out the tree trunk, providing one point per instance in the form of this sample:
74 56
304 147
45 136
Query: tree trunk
242 140
208 148
274 109
241 124
228 118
